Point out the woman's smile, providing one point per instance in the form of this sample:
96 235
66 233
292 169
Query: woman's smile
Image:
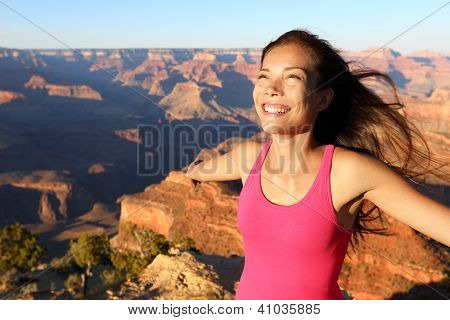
274 109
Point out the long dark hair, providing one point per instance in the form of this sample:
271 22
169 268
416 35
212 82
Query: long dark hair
359 119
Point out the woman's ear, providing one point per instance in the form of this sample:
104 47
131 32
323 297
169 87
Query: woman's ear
326 95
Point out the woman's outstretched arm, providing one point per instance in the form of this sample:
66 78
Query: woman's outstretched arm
221 167
395 196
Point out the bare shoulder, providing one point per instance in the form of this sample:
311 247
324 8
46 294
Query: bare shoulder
357 170
354 161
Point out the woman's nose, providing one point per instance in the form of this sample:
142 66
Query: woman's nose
272 88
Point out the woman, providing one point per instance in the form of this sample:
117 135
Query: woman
335 145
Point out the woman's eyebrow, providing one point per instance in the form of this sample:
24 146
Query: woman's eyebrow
287 68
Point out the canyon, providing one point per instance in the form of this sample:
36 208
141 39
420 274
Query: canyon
73 155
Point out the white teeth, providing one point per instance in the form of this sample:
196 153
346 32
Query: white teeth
271 109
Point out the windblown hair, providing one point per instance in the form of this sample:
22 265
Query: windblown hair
359 119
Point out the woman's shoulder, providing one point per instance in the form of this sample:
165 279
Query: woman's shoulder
350 157
355 169
352 162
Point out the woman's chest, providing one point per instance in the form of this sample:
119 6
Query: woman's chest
345 197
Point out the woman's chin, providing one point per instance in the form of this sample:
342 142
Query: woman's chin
284 128
273 128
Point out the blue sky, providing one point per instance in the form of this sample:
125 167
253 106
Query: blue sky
351 25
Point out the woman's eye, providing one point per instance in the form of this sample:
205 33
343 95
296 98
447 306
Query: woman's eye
290 76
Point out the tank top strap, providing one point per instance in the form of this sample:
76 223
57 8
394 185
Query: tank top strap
323 176
262 154
321 182
327 159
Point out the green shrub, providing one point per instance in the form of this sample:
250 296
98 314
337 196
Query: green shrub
112 277
129 262
19 249
150 243
74 283
89 251
183 243
64 264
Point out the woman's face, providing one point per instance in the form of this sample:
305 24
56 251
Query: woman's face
284 94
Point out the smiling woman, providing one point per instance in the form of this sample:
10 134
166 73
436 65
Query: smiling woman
322 96
336 146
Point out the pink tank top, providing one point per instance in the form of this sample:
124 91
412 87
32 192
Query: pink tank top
292 252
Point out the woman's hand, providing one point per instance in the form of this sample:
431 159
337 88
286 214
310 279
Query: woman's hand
346 295
204 155
215 167
191 168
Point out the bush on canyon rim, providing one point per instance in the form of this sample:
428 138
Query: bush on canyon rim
19 249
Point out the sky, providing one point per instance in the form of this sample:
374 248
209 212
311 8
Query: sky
348 25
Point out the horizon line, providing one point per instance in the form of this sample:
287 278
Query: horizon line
205 48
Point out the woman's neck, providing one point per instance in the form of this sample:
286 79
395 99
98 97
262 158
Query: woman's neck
292 154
